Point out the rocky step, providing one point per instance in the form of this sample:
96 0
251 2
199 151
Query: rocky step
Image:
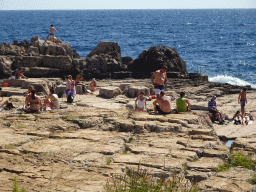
9 91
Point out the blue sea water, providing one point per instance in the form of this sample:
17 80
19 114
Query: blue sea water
215 42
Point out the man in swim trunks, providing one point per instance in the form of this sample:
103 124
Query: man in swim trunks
162 104
242 99
52 31
159 79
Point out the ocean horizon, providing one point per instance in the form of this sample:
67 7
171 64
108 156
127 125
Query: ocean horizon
219 43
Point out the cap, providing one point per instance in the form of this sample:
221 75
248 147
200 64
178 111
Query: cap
214 96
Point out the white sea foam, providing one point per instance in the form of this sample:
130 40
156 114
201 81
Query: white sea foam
230 80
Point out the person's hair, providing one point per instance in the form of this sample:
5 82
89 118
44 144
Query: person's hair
30 87
51 25
162 93
69 76
237 113
0 88
52 90
244 89
142 93
182 94
33 92
164 67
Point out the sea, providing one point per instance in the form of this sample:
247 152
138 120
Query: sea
220 43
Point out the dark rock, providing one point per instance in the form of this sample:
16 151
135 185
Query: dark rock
121 75
154 58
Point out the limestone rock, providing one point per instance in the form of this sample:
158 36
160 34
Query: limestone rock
109 92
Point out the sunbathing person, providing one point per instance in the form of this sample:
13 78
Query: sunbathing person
78 79
93 85
182 104
162 104
213 110
140 103
19 74
52 100
32 103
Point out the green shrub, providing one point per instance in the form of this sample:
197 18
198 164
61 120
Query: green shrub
15 186
140 181
238 159
253 179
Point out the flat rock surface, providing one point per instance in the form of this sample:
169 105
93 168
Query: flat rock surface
81 147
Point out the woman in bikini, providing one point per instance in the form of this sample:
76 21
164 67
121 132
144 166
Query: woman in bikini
93 85
33 103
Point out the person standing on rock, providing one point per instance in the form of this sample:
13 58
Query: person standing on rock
212 108
52 31
70 89
159 79
242 100
162 104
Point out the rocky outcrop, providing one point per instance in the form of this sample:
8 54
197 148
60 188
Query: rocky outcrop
154 58
41 58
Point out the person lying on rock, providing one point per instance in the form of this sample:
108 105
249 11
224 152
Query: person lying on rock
162 104
19 74
182 104
70 89
140 103
212 108
33 103
93 85
78 79
158 80
52 100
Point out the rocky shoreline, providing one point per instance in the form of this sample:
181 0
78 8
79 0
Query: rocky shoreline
81 147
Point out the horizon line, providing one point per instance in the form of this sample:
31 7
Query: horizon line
119 9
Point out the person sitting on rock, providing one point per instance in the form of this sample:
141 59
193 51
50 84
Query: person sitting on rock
70 89
159 80
19 74
140 103
52 31
162 104
33 103
93 85
78 79
212 108
52 100
182 104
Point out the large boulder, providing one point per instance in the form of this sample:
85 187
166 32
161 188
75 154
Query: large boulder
105 58
5 67
154 58
8 49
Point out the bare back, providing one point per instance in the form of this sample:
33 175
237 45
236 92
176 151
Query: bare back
165 103
242 95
